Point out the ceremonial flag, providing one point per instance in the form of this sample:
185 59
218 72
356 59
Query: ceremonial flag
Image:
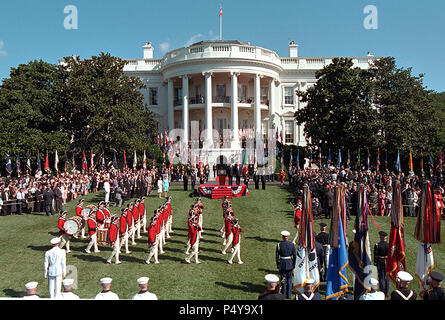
66 162
8 165
440 161
125 160
395 260
358 160
424 265
328 164
339 159
17 167
429 217
378 159
398 166
368 160
359 252
46 166
103 165
39 164
157 140
144 161
56 162
348 164
291 160
298 159
92 159
337 279
421 160
84 162
114 160
431 163
386 159
135 160
244 158
28 162
306 266
410 164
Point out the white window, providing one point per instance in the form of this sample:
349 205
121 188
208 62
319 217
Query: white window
153 96
289 131
288 95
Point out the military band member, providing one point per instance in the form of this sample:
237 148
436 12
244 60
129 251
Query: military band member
113 239
285 257
273 289
100 215
380 255
373 294
194 241
106 210
170 215
123 230
307 293
92 226
143 214
297 218
106 293
64 237
55 267
161 228
152 245
436 292
228 235
137 220
31 289
236 242
143 294
67 293
190 221
323 238
164 223
79 209
129 215
403 292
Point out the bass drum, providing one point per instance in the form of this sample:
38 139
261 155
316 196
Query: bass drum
102 236
73 225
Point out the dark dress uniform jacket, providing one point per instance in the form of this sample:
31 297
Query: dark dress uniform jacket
434 294
285 249
271 295
380 254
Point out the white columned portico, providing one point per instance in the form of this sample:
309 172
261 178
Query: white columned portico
271 102
208 108
257 110
235 144
170 110
185 107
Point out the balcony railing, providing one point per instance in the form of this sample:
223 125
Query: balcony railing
221 99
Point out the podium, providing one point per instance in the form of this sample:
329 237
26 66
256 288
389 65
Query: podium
221 169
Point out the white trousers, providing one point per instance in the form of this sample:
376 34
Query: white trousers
124 241
115 252
237 252
153 252
194 252
93 242
159 240
54 285
227 241
65 239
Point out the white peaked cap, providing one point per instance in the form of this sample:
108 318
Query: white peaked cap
67 282
373 282
31 285
404 276
310 281
143 280
55 240
106 280
271 278
285 233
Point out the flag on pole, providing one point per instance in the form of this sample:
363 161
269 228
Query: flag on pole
8 164
135 160
92 160
84 162
440 161
398 166
125 159
348 164
56 162
395 261
39 164
298 159
378 159
306 266
328 164
337 279
28 162
144 161
46 167
359 252
114 160
368 160
424 265
421 160
411 166
17 168
339 159
66 162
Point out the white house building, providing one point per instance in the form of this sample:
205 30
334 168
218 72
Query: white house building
228 85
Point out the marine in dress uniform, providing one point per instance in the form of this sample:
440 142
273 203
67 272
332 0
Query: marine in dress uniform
92 226
323 238
31 289
436 292
67 293
236 242
55 267
143 294
380 254
307 293
373 294
403 292
273 289
106 293
152 245
113 239
285 257
64 237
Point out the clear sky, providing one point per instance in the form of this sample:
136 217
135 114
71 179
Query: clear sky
412 31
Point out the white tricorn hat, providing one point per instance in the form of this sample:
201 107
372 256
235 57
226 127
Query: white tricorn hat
106 280
67 282
285 233
271 278
31 285
143 280
404 276
55 240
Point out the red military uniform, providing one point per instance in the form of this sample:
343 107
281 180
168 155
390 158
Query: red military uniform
141 209
236 235
129 216
228 226
113 233
79 211
100 217
297 216
106 212
158 226
91 226
282 176
193 233
151 234
122 224
60 224
135 213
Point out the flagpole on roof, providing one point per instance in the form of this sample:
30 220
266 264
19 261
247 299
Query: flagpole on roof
220 21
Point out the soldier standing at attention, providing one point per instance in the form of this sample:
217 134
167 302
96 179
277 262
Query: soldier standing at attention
143 294
285 257
323 238
273 289
380 254
403 292
31 289
307 293
436 292
55 267
106 293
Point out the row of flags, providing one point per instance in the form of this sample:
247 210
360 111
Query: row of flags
357 254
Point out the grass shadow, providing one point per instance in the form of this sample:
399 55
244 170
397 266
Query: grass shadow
257 238
89 258
13 294
245 286
39 248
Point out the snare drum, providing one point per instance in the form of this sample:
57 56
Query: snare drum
85 213
73 225
102 236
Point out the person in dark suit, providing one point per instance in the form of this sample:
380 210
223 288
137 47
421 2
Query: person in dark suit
256 178
380 255
263 178
237 173
330 202
230 174
185 179
285 257
272 290
48 197
323 239
58 198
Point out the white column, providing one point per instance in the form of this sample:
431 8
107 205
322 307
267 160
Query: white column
185 107
257 110
235 144
283 130
170 107
208 110
271 101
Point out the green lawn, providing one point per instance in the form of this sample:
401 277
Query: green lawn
263 214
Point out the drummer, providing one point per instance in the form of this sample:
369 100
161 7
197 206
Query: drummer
106 210
79 209
100 215
64 237
92 226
